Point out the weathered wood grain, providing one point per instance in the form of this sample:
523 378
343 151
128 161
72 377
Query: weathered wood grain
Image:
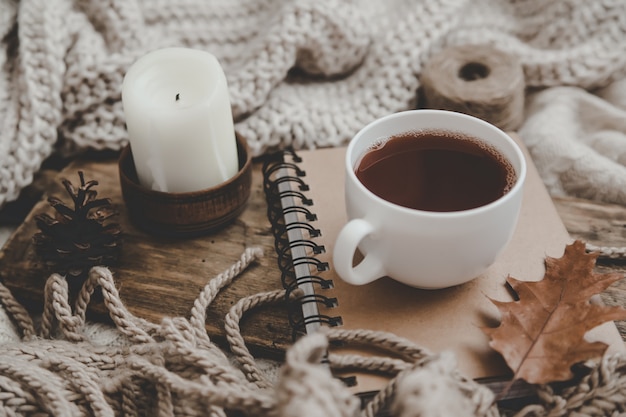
160 277
600 224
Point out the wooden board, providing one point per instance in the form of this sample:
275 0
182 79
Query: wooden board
160 277
600 224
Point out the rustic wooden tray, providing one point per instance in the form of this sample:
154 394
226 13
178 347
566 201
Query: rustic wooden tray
160 276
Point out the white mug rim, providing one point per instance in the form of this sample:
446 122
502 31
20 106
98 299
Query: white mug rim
519 183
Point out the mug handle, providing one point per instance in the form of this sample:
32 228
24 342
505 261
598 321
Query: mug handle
370 268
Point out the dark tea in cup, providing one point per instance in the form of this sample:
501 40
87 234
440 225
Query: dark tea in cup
443 165
436 170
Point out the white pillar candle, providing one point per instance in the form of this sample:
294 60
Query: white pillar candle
179 120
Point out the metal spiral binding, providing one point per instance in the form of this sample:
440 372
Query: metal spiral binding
289 212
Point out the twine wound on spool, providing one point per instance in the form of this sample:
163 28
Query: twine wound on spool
478 80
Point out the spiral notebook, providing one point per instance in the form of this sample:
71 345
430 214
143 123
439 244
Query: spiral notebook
306 207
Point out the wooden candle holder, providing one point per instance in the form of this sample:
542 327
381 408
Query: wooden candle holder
185 214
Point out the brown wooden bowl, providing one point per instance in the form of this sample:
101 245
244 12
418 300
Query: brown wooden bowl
185 214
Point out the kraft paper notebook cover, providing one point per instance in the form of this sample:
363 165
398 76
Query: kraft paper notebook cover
449 319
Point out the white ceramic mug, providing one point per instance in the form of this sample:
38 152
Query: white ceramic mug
419 248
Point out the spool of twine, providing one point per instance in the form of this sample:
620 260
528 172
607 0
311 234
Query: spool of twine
478 80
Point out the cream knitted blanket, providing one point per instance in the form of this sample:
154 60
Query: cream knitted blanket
309 73
306 73
61 367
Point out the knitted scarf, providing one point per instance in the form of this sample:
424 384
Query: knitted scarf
307 73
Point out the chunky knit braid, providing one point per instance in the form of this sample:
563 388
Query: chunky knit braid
173 369
307 73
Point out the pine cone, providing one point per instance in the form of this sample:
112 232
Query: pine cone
77 238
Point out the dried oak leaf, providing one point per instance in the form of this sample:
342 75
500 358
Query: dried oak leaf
542 335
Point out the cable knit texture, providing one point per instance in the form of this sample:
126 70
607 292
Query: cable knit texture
62 366
306 73
578 141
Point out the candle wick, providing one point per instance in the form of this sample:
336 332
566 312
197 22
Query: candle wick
177 96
